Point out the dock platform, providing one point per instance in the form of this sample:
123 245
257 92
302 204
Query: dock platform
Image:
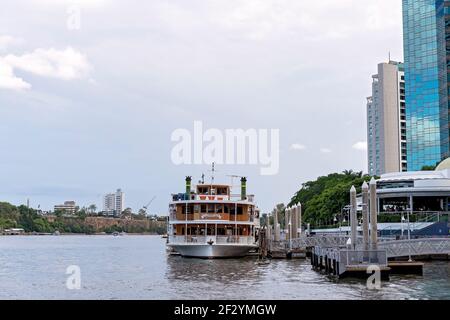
406 267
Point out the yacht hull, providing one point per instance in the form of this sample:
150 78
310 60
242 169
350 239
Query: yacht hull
206 251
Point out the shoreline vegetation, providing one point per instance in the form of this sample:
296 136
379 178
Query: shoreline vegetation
324 199
32 223
33 234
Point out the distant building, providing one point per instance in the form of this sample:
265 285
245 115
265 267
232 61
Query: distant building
114 203
69 207
14 232
386 121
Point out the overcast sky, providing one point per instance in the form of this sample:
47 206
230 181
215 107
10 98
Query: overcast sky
85 111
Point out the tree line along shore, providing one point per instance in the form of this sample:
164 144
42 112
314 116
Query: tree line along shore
28 219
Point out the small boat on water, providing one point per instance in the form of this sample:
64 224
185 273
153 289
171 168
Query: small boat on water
165 236
211 222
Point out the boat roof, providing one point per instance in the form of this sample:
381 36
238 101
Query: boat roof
213 185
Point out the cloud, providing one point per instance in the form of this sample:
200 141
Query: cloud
81 3
325 150
6 41
64 64
360 145
67 64
8 80
298 147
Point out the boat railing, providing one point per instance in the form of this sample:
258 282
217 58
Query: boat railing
212 197
212 239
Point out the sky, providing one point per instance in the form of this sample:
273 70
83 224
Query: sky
92 90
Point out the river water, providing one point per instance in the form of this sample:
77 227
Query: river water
137 267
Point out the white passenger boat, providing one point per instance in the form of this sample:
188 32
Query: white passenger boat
211 222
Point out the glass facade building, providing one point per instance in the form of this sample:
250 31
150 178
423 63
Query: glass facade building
426 81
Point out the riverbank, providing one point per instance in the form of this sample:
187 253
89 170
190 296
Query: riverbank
80 234
21 219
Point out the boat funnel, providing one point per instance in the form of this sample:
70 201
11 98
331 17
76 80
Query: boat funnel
243 188
188 187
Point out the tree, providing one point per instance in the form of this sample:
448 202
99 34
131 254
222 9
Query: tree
325 197
82 213
92 209
127 213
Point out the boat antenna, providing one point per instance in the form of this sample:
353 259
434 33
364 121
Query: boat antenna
213 171
202 180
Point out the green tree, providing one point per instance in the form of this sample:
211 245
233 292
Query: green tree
324 198
92 209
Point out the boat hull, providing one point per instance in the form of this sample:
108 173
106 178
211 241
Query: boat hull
206 251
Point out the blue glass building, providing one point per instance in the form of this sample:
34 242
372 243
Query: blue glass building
426 81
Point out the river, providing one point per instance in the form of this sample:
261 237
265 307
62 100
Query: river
137 267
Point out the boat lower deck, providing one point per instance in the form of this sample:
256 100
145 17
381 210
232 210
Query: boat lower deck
213 251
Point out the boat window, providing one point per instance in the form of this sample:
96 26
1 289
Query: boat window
189 209
226 209
219 208
210 208
239 210
203 208
222 191
203 190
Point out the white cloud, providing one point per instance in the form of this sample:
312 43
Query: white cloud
8 80
65 64
257 19
6 41
325 150
81 3
298 147
360 145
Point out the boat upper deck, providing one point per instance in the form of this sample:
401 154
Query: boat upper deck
213 193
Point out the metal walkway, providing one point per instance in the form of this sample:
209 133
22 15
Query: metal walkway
394 248
416 247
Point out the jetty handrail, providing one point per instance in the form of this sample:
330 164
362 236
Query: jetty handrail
416 247
338 240
362 257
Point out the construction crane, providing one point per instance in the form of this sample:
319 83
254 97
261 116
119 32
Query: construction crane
145 208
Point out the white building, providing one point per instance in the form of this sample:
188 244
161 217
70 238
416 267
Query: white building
386 121
114 203
69 207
